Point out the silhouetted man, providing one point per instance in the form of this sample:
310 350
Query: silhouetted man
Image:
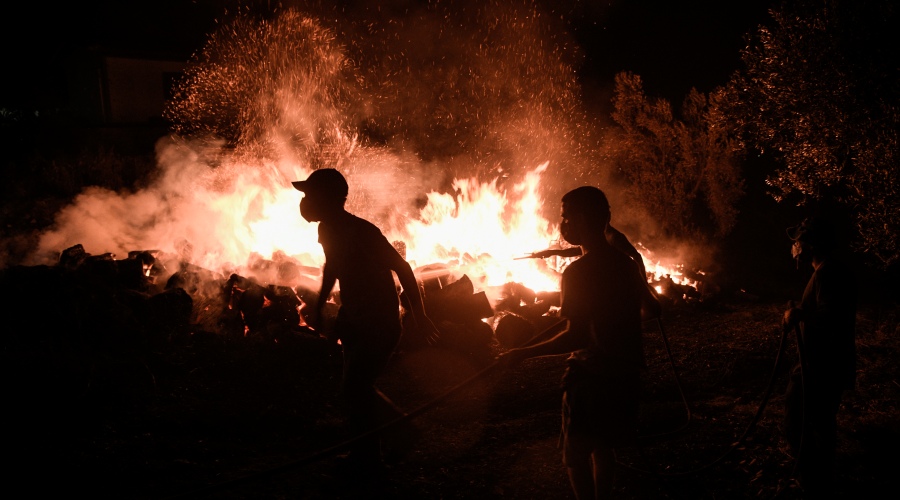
826 316
602 293
360 258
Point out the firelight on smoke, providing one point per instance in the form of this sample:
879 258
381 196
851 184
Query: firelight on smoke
284 96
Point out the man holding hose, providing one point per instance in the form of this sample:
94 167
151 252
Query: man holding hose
826 317
602 294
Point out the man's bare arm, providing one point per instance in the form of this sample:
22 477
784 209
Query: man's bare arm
328 281
573 338
411 289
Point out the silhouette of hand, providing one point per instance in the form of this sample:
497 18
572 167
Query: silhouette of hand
313 320
428 331
651 307
791 316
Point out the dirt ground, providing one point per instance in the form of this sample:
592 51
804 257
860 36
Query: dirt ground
223 418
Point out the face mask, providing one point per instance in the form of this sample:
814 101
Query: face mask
307 210
565 230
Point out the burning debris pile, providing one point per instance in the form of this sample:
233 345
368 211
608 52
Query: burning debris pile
253 263
93 301
138 304
151 299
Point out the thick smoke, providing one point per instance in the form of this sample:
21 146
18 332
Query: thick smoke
401 102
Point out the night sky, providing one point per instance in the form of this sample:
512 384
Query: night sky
673 45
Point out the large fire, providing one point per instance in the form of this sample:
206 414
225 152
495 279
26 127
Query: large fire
512 103
482 231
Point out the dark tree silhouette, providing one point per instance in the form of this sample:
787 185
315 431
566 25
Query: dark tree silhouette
820 91
683 172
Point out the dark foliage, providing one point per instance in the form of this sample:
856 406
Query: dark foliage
684 172
820 92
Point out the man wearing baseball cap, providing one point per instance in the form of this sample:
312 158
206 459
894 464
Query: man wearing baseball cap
361 260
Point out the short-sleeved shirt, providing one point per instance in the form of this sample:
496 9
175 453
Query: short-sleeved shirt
602 383
358 254
604 288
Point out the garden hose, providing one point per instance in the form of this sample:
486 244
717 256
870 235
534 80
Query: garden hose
801 350
687 406
759 412
345 445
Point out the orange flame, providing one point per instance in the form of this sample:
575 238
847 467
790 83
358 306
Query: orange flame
233 215
482 231
479 232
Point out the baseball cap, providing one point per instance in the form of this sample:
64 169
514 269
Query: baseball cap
326 181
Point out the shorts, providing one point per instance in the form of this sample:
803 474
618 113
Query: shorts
599 410
367 351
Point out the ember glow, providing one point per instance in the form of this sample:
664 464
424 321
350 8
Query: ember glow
268 102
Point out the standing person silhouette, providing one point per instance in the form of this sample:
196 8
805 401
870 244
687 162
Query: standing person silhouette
602 293
361 260
826 317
